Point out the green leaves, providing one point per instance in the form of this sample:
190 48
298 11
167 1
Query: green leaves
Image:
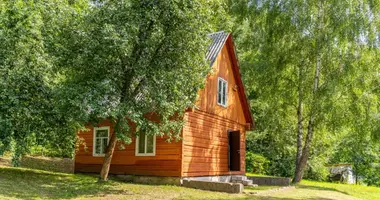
64 64
28 116
279 43
134 58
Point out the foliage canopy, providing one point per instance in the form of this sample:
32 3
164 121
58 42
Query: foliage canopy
311 68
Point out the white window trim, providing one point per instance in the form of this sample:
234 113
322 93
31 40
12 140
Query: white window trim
217 92
145 154
94 140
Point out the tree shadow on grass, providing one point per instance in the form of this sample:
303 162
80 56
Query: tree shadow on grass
287 198
254 197
320 188
30 184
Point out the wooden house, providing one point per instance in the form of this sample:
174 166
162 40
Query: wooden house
214 133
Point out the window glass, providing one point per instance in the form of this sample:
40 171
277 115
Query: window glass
98 146
222 92
145 144
142 143
101 133
104 145
219 91
149 144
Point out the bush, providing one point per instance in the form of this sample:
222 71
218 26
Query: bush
372 175
316 169
278 149
256 163
49 151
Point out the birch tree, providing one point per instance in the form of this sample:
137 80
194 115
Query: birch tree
302 60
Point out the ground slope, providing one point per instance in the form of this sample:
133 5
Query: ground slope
20 183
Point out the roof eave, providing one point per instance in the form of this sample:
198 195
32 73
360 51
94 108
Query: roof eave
243 98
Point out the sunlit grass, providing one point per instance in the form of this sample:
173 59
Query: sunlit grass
260 188
360 191
21 183
259 175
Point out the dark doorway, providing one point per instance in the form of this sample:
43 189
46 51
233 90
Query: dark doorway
234 150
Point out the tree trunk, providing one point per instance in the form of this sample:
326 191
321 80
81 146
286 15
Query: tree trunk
304 155
108 158
305 152
300 167
109 153
356 179
299 125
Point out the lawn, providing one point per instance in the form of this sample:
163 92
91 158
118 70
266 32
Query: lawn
360 191
260 175
21 183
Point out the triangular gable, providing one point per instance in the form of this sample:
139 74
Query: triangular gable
219 40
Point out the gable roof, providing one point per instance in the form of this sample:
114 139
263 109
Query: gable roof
219 40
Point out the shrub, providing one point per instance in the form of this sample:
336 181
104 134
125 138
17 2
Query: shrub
372 175
256 163
316 169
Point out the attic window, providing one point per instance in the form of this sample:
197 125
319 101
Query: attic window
222 92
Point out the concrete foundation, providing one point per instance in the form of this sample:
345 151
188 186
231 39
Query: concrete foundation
214 186
228 184
152 180
224 179
269 180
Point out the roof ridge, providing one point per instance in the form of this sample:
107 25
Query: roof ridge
218 40
222 31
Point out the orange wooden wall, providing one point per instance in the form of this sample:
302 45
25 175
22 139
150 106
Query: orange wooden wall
205 145
207 101
205 134
166 162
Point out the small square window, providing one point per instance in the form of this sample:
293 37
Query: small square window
101 139
222 92
146 145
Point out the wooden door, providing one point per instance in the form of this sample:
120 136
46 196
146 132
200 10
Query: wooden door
234 150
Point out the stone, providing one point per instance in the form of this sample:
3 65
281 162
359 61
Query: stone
152 180
277 181
214 186
247 182
238 178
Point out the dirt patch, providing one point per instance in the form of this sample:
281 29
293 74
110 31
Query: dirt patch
301 193
65 165
5 161
271 191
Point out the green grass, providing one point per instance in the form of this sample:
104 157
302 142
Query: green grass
21 183
360 191
259 188
259 175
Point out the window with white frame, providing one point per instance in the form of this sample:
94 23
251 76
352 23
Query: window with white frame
101 139
222 92
145 145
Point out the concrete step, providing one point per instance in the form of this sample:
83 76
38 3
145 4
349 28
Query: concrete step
238 178
253 185
247 182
